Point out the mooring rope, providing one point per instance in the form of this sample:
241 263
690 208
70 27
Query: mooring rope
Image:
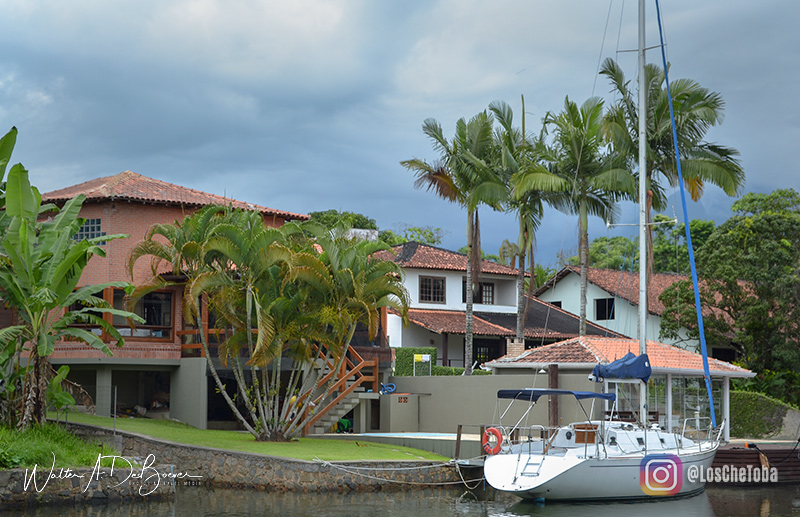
356 471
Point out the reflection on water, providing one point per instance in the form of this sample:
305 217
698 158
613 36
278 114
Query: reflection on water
199 502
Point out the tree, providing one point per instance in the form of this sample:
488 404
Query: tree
278 293
530 186
670 252
432 236
618 253
596 175
750 266
697 109
463 175
40 266
331 218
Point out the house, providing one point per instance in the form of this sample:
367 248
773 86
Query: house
677 392
436 282
613 302
158 370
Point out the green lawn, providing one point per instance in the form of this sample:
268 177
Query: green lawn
302 449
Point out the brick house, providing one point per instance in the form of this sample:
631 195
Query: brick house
436 282
152 370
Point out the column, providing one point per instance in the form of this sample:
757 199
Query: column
104 396
726 407
669 403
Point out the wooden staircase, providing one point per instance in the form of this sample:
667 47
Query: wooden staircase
355 380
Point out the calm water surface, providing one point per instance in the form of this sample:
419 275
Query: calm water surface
199 502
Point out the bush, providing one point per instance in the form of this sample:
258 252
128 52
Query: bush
37 445
404 360
783 385
755 415
404 364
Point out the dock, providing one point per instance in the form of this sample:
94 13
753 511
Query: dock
755 454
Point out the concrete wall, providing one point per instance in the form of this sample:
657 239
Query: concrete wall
189 392
400 412
446 402
791 426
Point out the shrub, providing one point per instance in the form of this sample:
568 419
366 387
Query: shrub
755 415
404 360
37 445
404 364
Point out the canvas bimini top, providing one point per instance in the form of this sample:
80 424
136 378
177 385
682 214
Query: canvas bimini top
533 394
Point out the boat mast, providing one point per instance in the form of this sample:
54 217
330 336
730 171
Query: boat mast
642 208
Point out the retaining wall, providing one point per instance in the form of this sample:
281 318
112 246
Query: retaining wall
19 487
219 467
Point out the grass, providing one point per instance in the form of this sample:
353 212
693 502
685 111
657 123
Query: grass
38 445
302 449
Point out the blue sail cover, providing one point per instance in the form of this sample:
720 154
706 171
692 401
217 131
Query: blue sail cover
629 367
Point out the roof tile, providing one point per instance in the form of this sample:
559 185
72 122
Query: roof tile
605 350
417 255
130 186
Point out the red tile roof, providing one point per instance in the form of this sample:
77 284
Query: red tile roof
558 324
605 350
417 255
130 186
454 322
623 284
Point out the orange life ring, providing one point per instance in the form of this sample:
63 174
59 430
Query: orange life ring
487 435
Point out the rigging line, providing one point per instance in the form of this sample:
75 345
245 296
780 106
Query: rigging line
704 349
602 47
653 223
619 29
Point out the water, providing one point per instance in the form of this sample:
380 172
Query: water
200 502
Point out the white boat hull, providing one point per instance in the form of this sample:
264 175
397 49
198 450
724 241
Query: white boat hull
572 476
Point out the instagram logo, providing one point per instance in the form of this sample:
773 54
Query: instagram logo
661 474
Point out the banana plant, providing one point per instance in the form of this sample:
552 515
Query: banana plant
40 267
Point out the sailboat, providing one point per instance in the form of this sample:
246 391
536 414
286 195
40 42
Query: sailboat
605 459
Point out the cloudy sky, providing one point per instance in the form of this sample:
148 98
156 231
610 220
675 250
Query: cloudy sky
311 104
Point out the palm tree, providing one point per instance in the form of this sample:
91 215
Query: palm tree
579 154
275 295
530 186
463 175
344 286
696 110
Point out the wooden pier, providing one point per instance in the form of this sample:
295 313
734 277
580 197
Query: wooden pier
753 455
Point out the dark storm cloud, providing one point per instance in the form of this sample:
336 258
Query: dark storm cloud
311 105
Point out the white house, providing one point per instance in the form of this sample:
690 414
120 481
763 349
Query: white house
613 302
436 281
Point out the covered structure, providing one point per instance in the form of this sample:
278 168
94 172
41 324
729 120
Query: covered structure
676 391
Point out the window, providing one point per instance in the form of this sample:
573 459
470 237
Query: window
604 309
155 308
431 289
556 304
483 294
90 326
91 229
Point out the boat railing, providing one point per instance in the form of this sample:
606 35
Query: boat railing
701 432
